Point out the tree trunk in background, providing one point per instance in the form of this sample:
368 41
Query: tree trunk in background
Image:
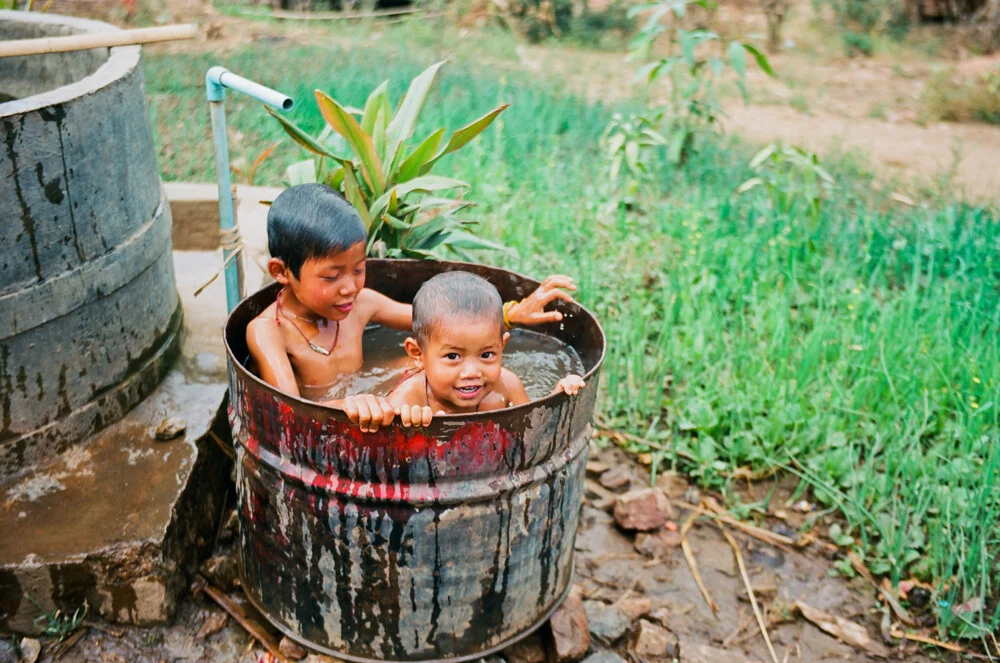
774 11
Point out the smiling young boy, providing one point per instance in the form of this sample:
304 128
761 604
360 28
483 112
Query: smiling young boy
312 333
457 347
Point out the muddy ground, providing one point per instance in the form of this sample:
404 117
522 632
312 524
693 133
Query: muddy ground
614 578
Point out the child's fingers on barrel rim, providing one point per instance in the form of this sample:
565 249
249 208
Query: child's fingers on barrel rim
558 281
387 412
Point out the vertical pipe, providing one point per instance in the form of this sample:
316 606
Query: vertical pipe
238 262
234 285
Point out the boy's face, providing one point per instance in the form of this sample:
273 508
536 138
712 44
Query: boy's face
462 361
328 286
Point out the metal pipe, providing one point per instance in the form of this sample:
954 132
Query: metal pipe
217 79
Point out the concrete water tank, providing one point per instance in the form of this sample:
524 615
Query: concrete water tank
89 313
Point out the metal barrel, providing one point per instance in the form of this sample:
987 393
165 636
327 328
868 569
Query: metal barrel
89 314
445 543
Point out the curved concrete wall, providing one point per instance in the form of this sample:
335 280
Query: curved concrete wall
89 314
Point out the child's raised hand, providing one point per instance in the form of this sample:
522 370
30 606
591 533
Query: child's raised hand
571 384
414 415
368 412
531 309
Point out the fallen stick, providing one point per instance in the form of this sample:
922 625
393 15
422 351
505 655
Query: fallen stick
239 614
768 537
916 637
693 565
43 45
749 588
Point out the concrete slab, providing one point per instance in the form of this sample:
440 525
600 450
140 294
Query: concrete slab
121 519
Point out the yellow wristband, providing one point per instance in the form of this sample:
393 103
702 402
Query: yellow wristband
506 311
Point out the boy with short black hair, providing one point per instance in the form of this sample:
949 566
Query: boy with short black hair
457 345
312 332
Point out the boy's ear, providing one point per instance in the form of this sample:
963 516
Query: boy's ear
278 271
504 339
413 349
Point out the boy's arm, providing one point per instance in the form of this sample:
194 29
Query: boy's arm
388 312
531 309
513 388
571 384
268 350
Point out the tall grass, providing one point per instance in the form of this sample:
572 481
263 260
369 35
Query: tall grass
859 352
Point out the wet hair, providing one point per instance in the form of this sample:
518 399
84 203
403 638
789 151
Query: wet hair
311 221
450 295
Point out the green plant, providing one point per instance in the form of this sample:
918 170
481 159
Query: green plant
629 144
789 175
951 98
698 61
389 183
57 624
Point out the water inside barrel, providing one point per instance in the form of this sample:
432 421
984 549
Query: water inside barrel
539 360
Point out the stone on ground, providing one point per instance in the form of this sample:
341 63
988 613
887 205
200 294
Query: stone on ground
604 656
221 571
570 629
607 623
635 607
291 649
657 544
652 641
644 510
529 650
615 478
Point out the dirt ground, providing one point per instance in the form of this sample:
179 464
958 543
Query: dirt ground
611 573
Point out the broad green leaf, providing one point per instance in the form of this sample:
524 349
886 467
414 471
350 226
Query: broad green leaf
372 107
465 240
687 46
749 184
301 172
632 155
762 156
336 178
405 121
360 142
761 59
423 153
424 183
655 136
378 140
393 222
352 191
738 58
676 149
635 10
298 134
466 134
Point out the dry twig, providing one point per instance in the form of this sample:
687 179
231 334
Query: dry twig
916 637
749 588
240 615
693 565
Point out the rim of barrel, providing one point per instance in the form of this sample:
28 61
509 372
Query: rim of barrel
506 642
121 60
237 365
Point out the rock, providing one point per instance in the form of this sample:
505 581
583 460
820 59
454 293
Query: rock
529 650
634 608
221 571
657 544
652 641
170 428
212 625
607 623
291 649
570 628
645 509
615 478
597 468
604 656
30 650
661 615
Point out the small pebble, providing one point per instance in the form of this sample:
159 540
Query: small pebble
170 428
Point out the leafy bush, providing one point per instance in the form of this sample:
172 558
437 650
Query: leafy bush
389 184
697 63
950 98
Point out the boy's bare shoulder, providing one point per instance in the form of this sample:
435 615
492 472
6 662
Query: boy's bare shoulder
263 332
410 391
509 379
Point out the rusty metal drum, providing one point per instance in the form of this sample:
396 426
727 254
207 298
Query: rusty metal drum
445 543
